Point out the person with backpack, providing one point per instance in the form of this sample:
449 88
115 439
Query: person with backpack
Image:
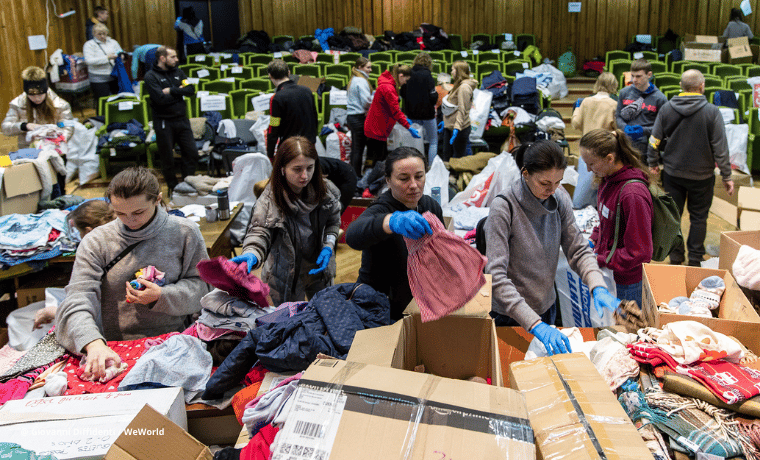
420 97
524 231
456 112
621 242
688 138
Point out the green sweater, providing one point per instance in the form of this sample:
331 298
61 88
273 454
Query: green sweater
97 309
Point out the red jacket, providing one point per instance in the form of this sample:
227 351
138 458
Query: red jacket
635 234
384 111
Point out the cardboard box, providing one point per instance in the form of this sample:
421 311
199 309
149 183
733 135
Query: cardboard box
478 307
350 410
748 208
150 435
32 287
21 188
738 51
83 426
573 413
730 243
705 48
735 315
310 82
727 207
456 347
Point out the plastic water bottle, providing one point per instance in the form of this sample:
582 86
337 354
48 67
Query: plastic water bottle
436 194
223 201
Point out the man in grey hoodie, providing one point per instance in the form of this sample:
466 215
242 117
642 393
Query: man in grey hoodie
638 105
696 140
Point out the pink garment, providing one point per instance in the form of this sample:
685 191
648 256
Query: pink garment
13 389
234 279
255 401
444 271
153 341
8 357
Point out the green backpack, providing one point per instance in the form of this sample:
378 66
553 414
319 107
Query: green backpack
666 223
566 63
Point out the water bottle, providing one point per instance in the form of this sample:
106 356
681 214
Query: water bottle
223 207
436 194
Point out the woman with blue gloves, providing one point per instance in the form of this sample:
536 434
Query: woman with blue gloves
294 225
456 112
397 213
525 229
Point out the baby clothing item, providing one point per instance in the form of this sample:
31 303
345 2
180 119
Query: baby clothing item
149 273
8 357
444 271
747 268
262 410
45 352
56 384
708 293
614 363
684 306
111 371
234 278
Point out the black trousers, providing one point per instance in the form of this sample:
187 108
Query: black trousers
459 148
103 90
697 195
358 141
376 150
168 133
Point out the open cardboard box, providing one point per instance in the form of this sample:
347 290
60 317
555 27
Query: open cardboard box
83 426
21 189
738 51
748 208
730 243
706 48
150 435
735 316
573 413
727 207
350 410
458 346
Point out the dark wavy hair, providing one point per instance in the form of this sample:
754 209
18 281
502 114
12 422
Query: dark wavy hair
539 156
287 151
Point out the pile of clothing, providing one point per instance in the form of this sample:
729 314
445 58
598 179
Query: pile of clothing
201 185
702 302
33 237
123 136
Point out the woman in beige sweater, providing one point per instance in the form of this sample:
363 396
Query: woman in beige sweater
594 112
456 111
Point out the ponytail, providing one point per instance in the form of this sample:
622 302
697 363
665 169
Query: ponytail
602 142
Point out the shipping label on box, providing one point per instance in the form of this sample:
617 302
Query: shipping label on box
343 408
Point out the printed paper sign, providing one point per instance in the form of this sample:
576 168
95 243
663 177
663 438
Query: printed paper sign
223 67
228 79
236 70
213 103
463 53
126 105
203 73
277 55
338 97
192 81
573 7
261 102
200 58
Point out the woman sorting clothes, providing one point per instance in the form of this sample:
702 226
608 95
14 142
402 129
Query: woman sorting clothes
294 225
100 303
99 54
524 232
37 106
380 230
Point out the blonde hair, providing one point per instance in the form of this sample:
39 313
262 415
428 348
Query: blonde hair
463 73
45 111
355 72
99 28
606 82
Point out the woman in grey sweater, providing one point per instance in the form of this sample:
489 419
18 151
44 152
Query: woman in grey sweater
524 232
100 304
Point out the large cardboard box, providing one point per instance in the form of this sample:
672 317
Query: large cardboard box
345 410
706 48
748 208
730 243
150 435
21 188
737 51
458 346
735 315
573 413
83 426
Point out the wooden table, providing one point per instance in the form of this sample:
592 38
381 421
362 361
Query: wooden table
217 234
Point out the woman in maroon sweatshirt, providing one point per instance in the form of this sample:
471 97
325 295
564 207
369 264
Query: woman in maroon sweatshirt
624 179
385 112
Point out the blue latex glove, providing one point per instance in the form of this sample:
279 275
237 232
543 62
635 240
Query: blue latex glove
590 244
635 132
554 341
603 299
410 224
323 260
248 258
453 136
415 133
578 102
440 127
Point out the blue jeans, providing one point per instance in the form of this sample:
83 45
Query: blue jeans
585 189
629 292
549 316
430 137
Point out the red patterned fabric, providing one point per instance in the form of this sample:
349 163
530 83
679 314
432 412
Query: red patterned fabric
730 382
258 447
129 351
235 279
444 271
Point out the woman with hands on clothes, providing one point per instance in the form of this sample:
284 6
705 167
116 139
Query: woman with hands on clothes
100 304
524 232
294 225
380 230
456 112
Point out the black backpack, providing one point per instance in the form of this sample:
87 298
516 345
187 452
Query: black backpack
523 93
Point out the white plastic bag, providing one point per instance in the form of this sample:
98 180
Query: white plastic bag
259 130
575 302
481 107
505 174
82 156
475 192
558 85
246 171
20 321
736 135
332 146
401 137
438 176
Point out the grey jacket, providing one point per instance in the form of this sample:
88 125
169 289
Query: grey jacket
95 307
271 233
523 238
696 139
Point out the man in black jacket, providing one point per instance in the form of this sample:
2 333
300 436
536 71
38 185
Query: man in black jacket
166 86
292 110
